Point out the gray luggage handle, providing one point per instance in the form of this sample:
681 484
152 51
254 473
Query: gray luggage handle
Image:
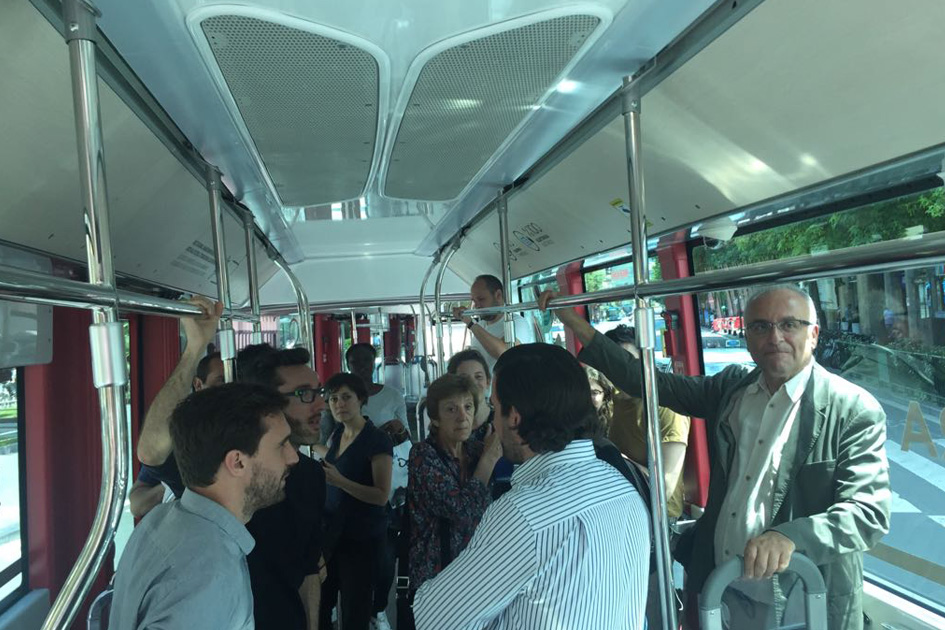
710 600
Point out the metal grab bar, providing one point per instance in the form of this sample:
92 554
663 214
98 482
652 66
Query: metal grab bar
437 299
710 600
305 310
420 348
21 285
249 226
646 337
225 332
105 334
903 253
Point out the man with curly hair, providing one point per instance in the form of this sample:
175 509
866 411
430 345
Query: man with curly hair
568 545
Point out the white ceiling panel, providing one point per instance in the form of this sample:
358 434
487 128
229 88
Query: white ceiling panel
473 91
307 96
359 277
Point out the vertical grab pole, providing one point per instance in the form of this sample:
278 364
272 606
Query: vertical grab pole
381 376
226 334
253 272
438 303
503 208
646 339
105 334
305 308
354 328
421 334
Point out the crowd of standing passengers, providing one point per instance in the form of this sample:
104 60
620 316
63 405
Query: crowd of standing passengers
524 506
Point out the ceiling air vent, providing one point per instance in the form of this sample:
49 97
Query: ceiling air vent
470 97
309 103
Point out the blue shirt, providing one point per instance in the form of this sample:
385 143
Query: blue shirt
185 567
350 518
567 547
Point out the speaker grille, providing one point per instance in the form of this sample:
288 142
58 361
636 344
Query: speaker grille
309 103
469 98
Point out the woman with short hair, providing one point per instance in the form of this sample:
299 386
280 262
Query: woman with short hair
358 472
472 364
448 488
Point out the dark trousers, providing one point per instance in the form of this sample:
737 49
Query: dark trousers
352 572
385 570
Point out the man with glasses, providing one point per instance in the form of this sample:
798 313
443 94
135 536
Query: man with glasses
798 463
286 565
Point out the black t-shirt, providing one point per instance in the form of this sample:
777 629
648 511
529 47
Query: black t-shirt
288 546
350 518
167 473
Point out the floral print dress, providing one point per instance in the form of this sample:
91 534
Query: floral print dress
437 491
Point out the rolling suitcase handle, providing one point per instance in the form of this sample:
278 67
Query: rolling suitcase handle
710 600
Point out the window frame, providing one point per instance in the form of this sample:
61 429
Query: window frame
21 590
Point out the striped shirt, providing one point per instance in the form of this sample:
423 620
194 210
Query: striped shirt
566 548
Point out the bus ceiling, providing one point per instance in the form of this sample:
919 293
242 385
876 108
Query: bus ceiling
742 103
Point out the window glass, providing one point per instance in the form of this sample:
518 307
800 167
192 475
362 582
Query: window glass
886 333
11 512
609 315
552 331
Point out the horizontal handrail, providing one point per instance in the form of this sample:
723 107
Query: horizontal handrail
909 252
21 285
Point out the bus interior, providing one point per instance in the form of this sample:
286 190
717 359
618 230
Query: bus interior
355 165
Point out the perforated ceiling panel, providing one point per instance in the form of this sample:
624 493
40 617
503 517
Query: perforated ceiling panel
309 104
469 98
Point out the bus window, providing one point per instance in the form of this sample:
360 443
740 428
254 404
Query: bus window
12 512
886 333
609 315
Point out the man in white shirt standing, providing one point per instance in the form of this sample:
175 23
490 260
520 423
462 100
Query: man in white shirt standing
488 335
568 545
798 463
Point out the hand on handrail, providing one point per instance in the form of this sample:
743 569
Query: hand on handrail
766 555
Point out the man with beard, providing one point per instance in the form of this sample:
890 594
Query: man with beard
185 564
285 565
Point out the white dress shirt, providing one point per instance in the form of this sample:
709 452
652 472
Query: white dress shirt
761 423
568 547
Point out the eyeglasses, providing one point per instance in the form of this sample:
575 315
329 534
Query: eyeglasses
790 326
307 394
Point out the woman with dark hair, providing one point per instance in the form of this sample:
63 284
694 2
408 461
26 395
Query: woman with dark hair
449 475
602 397
472 364
358 471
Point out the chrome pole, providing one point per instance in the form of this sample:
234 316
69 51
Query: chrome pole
449 338
381 376
305 309
503 208
646 341
354 328
420 349
253 274
226 335
437 300
105 334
